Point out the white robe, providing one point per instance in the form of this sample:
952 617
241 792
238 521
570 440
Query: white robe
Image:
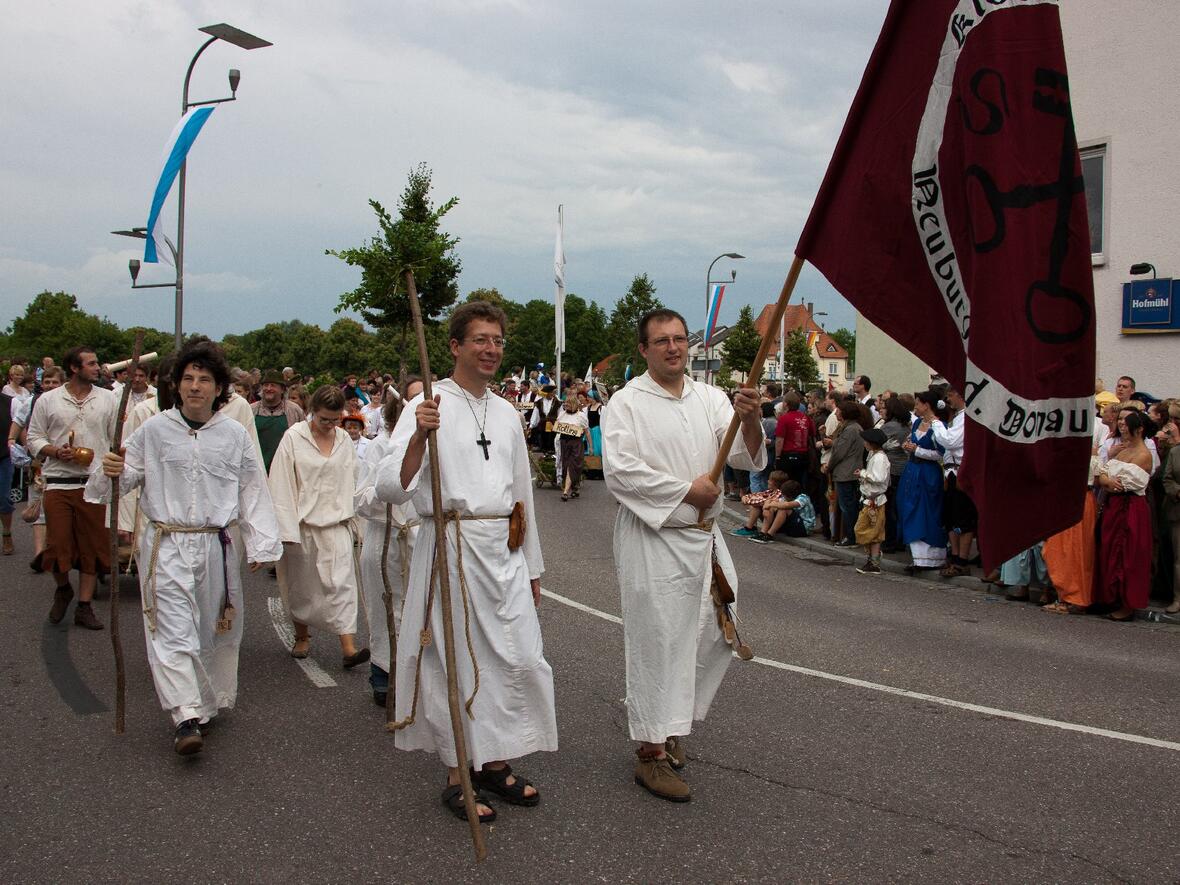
513 709
313 498
653 446
371 509
197 478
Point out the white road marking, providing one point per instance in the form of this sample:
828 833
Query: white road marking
282 625
915 695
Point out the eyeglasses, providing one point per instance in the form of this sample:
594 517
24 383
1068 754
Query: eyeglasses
484 341
678 340
328 422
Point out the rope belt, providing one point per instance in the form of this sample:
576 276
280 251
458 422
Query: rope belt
149 591
425 637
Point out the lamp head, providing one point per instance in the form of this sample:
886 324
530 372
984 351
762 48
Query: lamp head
235 77
1141 268
733 255
133 266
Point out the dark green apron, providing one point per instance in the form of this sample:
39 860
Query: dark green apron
270 430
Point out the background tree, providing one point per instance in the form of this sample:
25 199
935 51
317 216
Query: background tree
412 241
741 344
53 323
622 328
799 361
847 340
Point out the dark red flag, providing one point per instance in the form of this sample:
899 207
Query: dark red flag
953 217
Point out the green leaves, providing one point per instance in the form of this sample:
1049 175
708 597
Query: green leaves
741 344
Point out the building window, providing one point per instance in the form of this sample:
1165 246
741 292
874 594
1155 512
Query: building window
1095 174
832 370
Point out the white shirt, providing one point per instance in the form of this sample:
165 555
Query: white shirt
374 423
951 439
91 419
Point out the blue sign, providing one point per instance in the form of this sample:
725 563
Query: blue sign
1148 307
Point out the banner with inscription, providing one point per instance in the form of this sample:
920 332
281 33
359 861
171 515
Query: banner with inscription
953 217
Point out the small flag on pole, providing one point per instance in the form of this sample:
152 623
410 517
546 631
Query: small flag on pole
812 338
715 296
175 151
559 283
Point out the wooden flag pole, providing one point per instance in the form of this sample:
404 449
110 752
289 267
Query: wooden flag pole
116 641
759 360
444 580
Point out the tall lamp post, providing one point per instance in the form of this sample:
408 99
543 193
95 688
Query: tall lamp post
709 281
244 40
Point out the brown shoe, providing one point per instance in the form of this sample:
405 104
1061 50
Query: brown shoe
8 548
676 752
655 775
61 601
84 617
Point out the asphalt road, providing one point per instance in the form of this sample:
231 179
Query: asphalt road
798 774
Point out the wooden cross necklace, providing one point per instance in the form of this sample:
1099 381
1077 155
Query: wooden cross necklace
483 442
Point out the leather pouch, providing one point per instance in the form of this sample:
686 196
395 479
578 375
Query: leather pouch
517 526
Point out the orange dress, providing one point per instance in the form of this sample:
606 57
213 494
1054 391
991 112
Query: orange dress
1070 558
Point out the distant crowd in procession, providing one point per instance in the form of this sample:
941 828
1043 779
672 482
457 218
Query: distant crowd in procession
330 491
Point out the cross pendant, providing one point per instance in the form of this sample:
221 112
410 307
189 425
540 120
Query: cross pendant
483 442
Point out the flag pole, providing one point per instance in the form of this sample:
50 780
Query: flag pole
444 580
759 360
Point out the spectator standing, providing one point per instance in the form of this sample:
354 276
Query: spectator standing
897 431
794 435
274 415
959 516
1124 555
6 508
847 458
1171 512
919 494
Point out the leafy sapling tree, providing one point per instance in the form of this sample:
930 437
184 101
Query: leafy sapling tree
413 242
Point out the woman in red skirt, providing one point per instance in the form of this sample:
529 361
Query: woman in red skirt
1124 556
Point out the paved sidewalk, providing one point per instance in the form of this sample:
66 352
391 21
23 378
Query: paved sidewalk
895 563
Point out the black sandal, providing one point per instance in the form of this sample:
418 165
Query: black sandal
452 798
496 780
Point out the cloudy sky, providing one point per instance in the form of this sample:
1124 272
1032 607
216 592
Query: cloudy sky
671 132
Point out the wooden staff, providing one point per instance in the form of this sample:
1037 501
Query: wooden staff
444 580
387 598
756 369
116 642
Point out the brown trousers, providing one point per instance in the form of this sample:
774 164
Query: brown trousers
76 534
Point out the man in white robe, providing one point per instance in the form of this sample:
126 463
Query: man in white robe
660 438
484 469
403 531
199 475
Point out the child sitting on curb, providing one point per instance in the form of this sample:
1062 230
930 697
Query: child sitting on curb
783 508
874 483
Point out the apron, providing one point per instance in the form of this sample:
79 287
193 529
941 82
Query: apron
270 430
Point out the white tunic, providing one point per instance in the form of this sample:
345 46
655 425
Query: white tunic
513 709
197 478
372 511
313 498
653 446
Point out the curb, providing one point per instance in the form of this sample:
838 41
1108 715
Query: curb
897 564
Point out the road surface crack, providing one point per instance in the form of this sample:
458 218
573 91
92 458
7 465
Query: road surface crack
947 826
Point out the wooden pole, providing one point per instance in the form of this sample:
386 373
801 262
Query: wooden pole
116 641
759 360
444 580
387 598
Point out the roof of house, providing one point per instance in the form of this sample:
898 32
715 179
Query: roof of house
797 317
720 333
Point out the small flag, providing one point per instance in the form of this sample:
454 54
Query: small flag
953 217
559 283
715 296
176 149
812 339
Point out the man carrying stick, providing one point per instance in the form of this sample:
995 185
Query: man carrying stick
505 683
200 474
660 436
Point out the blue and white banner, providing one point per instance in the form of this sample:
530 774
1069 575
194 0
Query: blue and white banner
175 151
716 293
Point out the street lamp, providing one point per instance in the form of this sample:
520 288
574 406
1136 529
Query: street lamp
140 233
239 38
1141 268
709 282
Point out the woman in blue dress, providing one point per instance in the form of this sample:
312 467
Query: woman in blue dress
919 493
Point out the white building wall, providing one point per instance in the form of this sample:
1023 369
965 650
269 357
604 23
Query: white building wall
888 365
1124 93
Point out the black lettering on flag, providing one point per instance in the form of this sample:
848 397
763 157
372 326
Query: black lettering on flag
995 112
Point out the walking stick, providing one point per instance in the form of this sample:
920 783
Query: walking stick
116 641
756 368
387 598
444 579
